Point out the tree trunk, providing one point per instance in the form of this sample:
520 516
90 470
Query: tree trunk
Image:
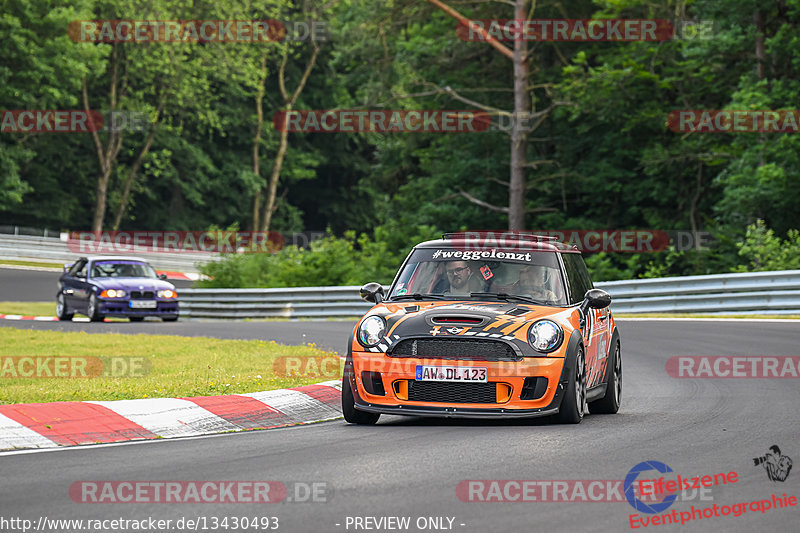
123 204
101 192
519 134
126 192
693 206
761 57
257 138
289 101
272 191
519 137
108 154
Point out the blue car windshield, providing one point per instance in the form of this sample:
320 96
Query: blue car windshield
122 269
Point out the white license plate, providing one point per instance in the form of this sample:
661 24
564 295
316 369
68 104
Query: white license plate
452 373
143 304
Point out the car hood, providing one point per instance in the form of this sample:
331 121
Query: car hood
508 321
133 284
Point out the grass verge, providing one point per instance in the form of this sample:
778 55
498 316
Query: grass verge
173 366
28 308
58 266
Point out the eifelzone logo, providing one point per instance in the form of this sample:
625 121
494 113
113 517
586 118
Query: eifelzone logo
777 465
630 494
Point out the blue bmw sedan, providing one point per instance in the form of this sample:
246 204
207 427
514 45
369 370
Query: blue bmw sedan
101 286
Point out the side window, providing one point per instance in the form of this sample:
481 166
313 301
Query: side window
78 269
578 275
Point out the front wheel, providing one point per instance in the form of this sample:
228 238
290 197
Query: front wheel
574 403
91 310
351 414
609 404
62 311
169 318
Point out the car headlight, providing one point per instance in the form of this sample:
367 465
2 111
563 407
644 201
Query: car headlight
167 293
113 293
371 331
545 336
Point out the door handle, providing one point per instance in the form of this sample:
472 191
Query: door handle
604 317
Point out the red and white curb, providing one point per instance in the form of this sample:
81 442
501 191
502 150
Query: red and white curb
45 318
25 317
190 276
49 425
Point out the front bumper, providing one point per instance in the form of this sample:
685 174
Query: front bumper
121 308
458 412
393 372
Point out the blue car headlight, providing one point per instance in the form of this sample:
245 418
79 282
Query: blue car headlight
371 331
545 336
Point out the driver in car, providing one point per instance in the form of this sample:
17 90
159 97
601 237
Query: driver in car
458 274
533 282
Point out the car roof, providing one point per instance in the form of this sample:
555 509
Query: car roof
482 240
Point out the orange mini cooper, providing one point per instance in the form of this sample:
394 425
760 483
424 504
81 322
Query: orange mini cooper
481 327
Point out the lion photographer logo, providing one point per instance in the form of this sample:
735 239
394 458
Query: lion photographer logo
777 465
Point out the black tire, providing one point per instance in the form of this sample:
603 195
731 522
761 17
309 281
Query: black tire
135 318
62 309
91 310
609 403
351 414
574 403
169 318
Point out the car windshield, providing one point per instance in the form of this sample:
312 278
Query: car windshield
122 269
495 273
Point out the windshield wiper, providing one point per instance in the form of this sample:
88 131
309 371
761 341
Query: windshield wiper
418 296
505 296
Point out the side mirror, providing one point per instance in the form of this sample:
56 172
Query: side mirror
162 276
372 292
67 266
595 299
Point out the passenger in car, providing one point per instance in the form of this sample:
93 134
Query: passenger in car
533 282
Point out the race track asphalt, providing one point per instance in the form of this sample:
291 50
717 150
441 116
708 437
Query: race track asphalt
411 466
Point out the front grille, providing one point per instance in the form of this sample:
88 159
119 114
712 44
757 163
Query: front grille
146 295
443 391
460 349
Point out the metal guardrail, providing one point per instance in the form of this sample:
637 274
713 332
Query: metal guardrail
295 302
55 250
755 292
776 292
